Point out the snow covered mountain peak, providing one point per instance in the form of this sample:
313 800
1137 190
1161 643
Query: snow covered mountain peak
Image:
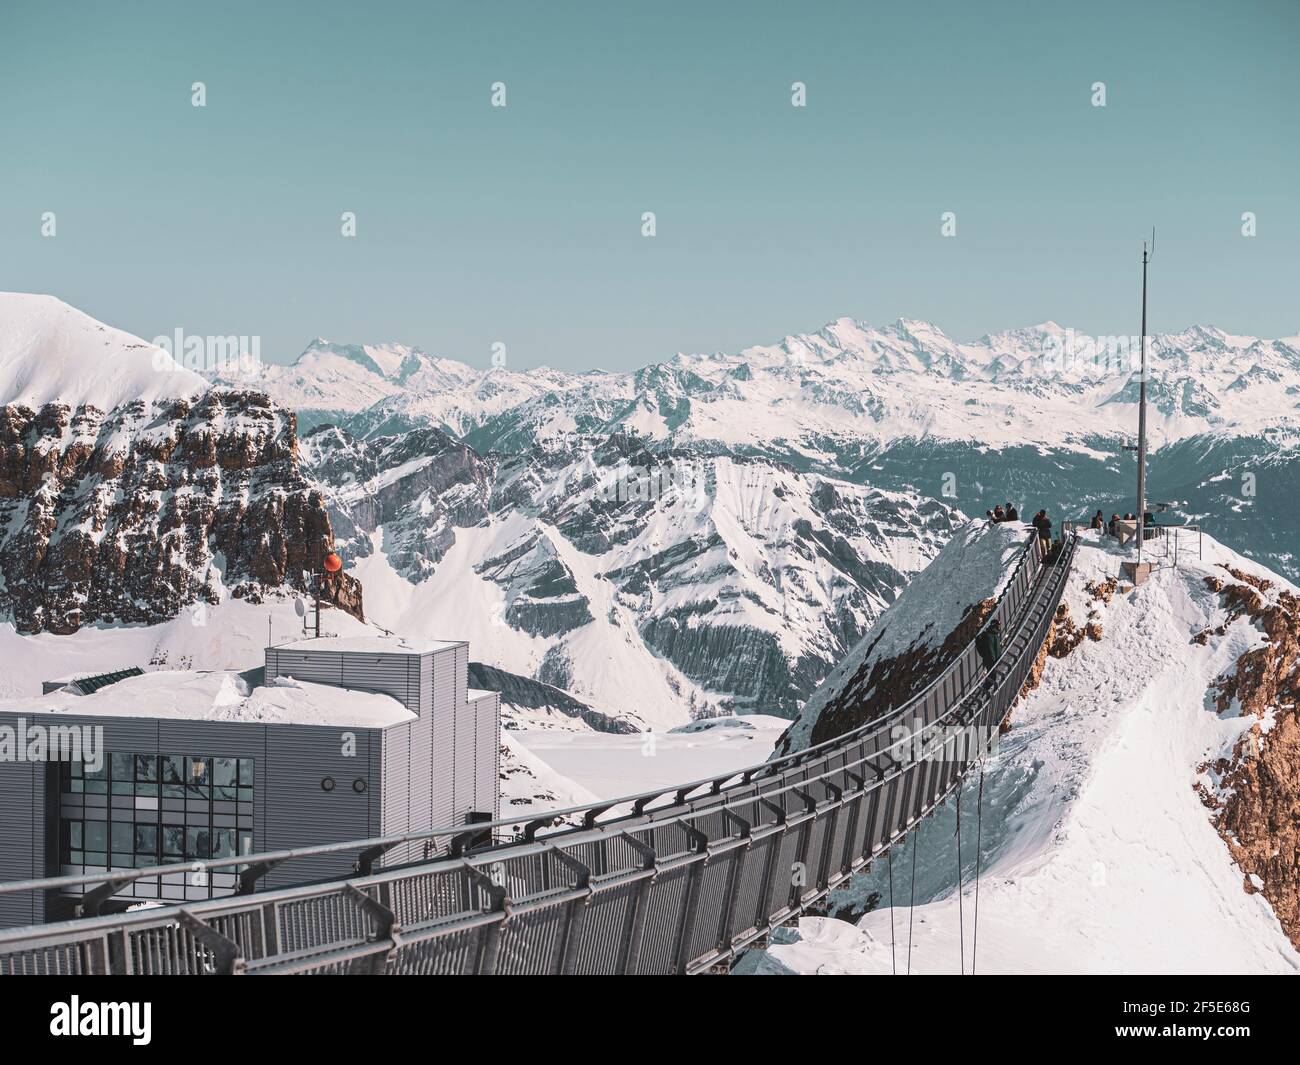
53 353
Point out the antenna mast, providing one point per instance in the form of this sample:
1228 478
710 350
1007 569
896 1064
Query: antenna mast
1142 407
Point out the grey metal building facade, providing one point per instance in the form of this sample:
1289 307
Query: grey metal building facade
174 789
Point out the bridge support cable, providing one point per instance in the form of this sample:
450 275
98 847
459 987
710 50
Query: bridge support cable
911 905
893 938
979 825
961 906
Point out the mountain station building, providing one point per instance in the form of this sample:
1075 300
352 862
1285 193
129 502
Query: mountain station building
332 739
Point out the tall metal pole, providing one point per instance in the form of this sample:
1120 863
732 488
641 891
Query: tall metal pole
1142 416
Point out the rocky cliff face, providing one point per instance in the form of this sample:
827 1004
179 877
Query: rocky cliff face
1257 807
132 514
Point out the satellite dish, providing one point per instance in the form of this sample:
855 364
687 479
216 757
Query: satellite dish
300 608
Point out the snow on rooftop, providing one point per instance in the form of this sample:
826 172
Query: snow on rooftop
370 645
221 695
50 352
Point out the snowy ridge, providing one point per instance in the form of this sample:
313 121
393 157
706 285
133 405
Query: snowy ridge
849 381
52 353
972 568
1098 853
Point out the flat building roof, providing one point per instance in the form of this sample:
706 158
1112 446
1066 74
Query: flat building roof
369 644
223 695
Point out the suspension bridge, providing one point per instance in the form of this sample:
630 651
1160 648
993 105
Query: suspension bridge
679 880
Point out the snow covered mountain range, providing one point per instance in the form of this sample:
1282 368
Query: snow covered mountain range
704 535
1040 413
811 398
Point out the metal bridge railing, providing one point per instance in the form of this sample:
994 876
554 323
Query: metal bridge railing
670 881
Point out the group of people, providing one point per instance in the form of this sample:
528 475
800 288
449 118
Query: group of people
1039 521
1112 526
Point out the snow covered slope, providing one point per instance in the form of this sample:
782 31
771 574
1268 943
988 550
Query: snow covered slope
52 353
1099 844
917 636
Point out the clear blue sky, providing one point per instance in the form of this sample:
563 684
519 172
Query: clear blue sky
522 225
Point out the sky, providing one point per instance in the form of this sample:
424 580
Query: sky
522 225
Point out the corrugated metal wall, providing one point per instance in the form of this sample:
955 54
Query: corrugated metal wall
395 674
396 785
21 838
487 753
443 737
299 812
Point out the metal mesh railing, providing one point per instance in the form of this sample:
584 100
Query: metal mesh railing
673 881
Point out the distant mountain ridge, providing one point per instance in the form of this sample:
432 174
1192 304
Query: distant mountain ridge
848 381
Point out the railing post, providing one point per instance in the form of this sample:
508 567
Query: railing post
699 843
636 929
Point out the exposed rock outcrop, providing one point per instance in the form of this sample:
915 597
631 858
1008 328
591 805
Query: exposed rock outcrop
133 514
1257 808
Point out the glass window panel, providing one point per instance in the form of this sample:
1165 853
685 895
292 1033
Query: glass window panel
197 843
146 839
223 771
224 793
123 837
246 772
223 843
173 841
245 794
245 841
96 835
123 861
123 766
198 771
97 858
146 768
173 769
173 775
